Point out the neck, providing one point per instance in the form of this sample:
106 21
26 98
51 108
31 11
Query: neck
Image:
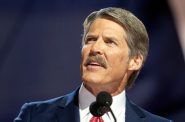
113 89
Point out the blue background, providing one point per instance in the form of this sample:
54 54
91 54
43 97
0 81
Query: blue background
40 48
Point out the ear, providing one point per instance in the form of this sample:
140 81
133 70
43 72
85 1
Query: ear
135 63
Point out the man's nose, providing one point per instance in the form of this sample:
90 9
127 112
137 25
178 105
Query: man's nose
97 47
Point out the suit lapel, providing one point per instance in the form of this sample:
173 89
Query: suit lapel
68 110
133 113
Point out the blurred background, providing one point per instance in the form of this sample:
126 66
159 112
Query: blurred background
40 46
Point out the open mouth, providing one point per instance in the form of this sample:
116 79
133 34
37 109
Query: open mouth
95 61
93 64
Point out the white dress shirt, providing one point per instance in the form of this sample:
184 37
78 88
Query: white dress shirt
86 98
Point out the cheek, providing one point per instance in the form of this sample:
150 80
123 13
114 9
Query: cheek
82 61
119 61
84 54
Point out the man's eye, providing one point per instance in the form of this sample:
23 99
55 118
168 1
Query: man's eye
89 40
109 41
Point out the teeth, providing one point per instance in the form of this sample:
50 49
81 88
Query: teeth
94 63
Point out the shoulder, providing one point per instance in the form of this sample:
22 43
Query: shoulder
46 104
35 108
42 108
148 116
52 103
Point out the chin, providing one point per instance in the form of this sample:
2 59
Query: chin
92 80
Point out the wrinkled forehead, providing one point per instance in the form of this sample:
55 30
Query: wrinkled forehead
102 26
106 17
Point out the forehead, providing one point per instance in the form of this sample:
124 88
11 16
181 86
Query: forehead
106 26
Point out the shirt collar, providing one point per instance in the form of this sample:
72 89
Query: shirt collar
86 98
118 103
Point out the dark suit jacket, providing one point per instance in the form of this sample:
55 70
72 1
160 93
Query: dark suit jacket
65 109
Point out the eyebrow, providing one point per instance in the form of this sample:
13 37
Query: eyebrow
111 37
91 35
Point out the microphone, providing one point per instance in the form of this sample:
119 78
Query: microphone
102 105
104 98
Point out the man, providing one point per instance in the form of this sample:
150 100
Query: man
114 48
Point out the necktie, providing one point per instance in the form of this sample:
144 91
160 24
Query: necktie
96 119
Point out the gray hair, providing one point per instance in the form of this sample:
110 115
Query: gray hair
137 37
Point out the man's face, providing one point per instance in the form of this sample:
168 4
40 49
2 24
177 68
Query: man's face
105 54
